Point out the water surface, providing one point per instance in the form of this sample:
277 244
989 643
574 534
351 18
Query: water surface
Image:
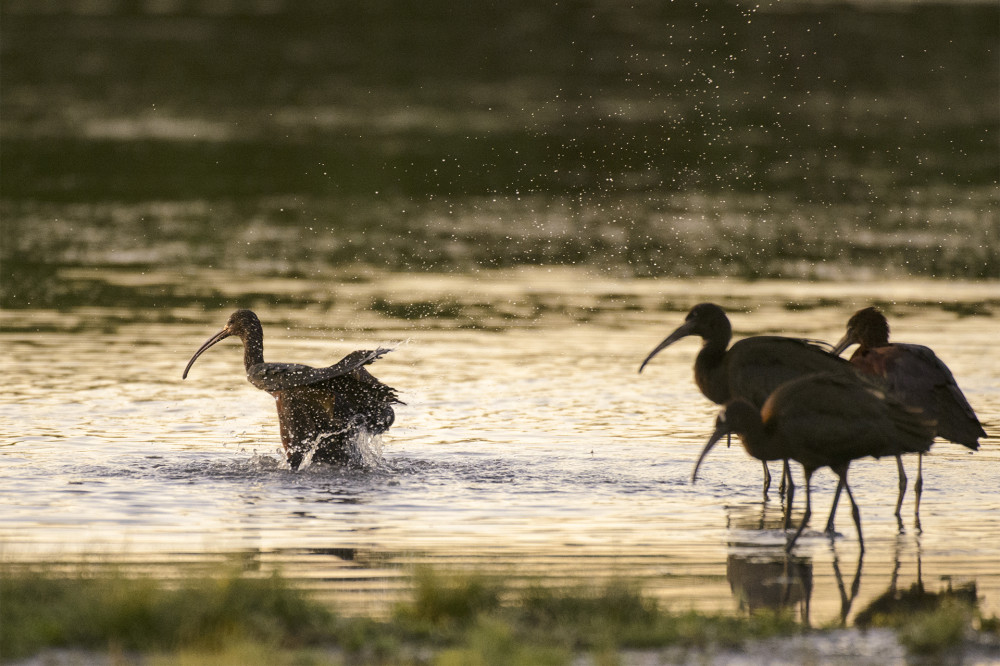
528 446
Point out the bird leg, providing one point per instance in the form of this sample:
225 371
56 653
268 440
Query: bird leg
833 509
918 487
805 518
855 511
902 490
786 473
767 479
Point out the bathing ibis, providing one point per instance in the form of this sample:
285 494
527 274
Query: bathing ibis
319 409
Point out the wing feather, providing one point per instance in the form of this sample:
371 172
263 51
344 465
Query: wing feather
272 377
760 364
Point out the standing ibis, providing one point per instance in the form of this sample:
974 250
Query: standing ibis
823 420
914 375
320 410
752 368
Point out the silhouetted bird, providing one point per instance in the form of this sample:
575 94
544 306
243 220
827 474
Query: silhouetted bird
823 420
915 376
321 410
753 367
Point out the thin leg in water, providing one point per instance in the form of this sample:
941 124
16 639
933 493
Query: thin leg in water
833 509
767 479
786 473
808 513
902 490
918 488
855 511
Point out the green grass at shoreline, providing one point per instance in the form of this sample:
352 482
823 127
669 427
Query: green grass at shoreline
235 617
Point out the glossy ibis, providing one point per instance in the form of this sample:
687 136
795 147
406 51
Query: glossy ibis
823 420
752 368
914 375
319 409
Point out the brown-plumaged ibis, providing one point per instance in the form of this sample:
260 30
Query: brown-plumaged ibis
750 369
914 375
320 410
823 420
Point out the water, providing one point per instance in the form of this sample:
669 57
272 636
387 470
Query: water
793 140
528 444
522 202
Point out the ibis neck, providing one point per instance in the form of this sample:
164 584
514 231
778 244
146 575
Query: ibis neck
710 371
253 349
759 443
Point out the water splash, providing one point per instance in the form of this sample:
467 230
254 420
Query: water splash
367 450
362 448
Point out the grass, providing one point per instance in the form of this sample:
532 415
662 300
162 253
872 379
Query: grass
236 618
42 608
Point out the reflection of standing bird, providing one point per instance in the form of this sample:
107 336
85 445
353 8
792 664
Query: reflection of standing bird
760 581
822 420
753 367
914 375
320 409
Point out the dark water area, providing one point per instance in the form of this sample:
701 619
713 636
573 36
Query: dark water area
790 140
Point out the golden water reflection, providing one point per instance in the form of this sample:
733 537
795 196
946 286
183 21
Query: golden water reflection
529 446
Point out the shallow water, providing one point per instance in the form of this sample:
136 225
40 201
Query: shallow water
528 445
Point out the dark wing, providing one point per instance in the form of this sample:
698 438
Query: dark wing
916 376
273 377
362 400
310 422
836 418
760 364
365 401
305 414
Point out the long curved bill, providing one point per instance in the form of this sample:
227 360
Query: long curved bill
682 331
221 335
716 437
844 343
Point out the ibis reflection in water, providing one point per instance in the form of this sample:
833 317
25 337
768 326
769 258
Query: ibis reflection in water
765 581
320 410
752 368
895 604
823 420
914 375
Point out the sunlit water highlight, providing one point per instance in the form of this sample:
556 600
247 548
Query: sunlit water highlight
528 445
